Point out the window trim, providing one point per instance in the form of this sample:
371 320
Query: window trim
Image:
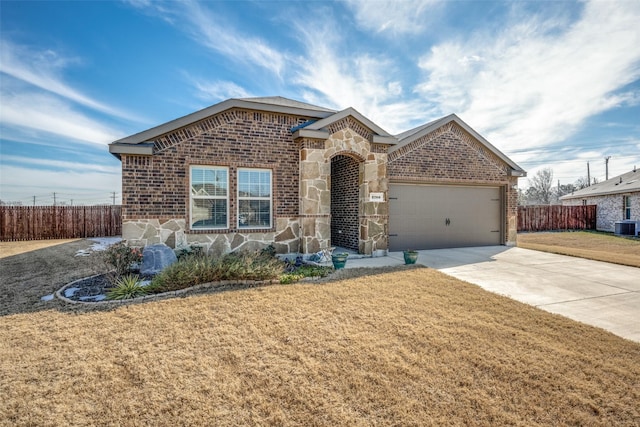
192 197
626 207
239 198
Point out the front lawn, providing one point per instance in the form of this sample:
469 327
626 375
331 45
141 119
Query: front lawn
585 244
405 347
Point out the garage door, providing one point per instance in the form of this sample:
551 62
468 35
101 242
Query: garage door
440 216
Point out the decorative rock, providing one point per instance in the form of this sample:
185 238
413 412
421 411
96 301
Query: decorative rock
156 258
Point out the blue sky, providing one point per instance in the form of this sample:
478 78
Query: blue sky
550 83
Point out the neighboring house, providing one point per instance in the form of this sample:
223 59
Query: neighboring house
246 173
618 199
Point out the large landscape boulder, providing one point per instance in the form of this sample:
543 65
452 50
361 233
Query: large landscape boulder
156 258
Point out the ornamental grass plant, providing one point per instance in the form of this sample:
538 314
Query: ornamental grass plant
195 269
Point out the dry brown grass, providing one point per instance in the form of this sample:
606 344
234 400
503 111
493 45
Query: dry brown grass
584 244
8 249
410 347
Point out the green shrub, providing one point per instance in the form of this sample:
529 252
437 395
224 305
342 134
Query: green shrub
121 257
288 278
127 287
192 270
314 270
299 273
190 250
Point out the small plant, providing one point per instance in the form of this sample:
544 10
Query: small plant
268 251
288 278
127 287
292 265
189 250
314 270
302 271
121 257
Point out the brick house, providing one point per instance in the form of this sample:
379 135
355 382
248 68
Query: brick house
617 200
246 173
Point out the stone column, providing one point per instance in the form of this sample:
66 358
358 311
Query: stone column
315 198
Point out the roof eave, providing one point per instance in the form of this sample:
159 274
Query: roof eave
310 133
388 140
346 113
142 149
516 170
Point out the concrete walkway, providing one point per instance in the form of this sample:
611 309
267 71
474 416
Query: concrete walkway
596 293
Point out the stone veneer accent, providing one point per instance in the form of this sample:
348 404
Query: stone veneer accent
315 193
449 155
610 208
174 234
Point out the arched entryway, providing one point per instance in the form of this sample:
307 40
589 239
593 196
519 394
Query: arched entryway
345 201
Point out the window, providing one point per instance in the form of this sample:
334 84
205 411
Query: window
627 207
209 197
254 198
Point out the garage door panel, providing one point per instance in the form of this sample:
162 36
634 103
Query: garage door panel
436 216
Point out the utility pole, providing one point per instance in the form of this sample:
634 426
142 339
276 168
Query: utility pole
588 176
54 199
606 164
34 200
114 197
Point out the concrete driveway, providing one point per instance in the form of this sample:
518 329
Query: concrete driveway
597 293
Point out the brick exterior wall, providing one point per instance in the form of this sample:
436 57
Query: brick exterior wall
610 208
446 155
158 186
344 202
449 155
306 210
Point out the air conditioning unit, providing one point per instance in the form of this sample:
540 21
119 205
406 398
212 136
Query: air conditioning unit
627 228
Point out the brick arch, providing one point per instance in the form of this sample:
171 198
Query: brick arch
348 153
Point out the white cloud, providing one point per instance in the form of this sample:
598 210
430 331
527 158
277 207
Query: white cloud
42 69
45 113
366 83
211 31
394 17
538 81
218 90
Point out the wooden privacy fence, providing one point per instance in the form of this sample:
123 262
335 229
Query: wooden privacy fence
556 217
59 222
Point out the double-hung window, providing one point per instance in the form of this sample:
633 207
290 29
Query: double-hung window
254 198
209 197
627 207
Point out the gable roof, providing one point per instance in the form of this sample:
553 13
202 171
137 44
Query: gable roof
625 183
320 118
317 128
275 104
411 135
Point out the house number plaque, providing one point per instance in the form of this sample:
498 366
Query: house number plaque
376 197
